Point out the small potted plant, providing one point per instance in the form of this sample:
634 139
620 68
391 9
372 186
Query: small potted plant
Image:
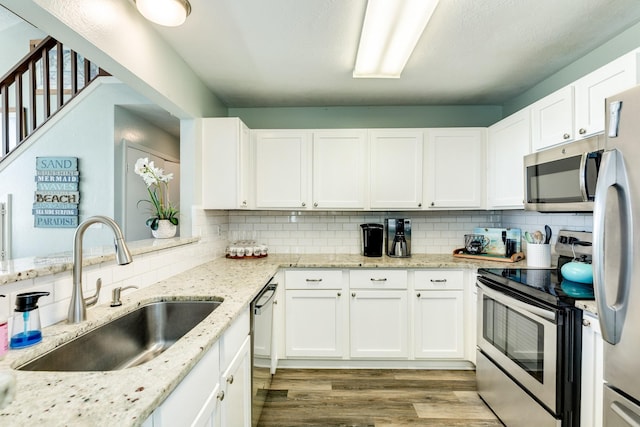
164 219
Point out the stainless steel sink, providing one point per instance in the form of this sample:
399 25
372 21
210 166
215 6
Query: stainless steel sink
127 341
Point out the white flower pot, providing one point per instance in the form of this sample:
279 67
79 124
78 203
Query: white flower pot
165 230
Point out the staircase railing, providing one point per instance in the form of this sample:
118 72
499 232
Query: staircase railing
37 87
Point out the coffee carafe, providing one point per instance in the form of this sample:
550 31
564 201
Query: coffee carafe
398 237
372 239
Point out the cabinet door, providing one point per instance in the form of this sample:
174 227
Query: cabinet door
455 173
509 141
235 409
315 321
396 169
225 164
439 325
592 89
592 381
552 119
378 324
339 169
196 391
282 168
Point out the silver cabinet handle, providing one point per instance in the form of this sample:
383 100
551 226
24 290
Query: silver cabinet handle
353 294
315 205
582 131
433 204
586 323
438 280
612 175
566 136
230 379
244 203
220 395
419 205
339 294
314 280
383 279
304 204
418 295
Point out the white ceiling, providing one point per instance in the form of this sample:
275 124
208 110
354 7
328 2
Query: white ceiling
301 52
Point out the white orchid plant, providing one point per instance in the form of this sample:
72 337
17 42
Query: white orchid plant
158 188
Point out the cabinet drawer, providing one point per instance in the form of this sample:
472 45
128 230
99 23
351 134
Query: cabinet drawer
378 279
313 279
438 279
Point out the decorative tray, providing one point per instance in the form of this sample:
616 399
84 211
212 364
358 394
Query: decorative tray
461 253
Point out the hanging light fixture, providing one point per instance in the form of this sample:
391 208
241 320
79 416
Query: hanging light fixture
169 13
390 32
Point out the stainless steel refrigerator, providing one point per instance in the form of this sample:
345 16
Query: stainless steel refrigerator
616 258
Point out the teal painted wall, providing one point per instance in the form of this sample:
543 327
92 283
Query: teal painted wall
369 117
623 43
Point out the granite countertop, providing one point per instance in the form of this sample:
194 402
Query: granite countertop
127 397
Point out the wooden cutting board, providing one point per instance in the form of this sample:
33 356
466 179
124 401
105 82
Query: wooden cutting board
460 253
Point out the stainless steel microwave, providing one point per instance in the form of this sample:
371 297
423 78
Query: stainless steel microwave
563 178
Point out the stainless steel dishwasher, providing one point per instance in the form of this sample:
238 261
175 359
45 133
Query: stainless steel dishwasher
261 348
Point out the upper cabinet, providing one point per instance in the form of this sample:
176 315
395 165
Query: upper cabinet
509 141
282 166
552 119
577 110
395 176
339 169
226 183
454 177
592 89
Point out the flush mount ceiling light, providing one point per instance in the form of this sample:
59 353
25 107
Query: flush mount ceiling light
169 13
390 32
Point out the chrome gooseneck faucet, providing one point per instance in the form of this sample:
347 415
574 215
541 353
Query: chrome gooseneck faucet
78 306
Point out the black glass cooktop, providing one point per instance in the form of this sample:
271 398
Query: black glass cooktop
543 284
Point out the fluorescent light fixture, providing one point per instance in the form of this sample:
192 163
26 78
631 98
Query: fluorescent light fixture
390 32
169 13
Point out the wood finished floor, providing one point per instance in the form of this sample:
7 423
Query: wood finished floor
374 398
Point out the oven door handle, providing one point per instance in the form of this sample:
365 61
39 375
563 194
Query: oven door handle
537 311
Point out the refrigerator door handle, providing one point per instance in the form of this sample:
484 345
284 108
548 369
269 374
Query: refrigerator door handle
612 175
626 414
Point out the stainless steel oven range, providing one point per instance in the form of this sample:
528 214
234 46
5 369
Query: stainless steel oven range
529 340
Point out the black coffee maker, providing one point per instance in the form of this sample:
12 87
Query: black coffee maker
372 239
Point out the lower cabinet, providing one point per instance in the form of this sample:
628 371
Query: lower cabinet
592 381
438 315
378 323
315 323
217 391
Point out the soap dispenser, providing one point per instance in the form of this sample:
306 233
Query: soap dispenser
25 330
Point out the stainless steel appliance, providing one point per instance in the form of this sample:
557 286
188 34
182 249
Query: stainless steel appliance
398 237
616 259
372 239
563 179
529 340
262 358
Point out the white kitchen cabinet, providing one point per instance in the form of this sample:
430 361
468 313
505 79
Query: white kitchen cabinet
226 171
439 317
196 398
379 324
508 142
315 314
282 168
592 381
454 174
379 315
592 89
552 119
235 407
396 157
339 169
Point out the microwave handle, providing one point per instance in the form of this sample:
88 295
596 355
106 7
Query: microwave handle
583 177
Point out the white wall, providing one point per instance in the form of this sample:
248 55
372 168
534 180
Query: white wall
84 129
15 43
